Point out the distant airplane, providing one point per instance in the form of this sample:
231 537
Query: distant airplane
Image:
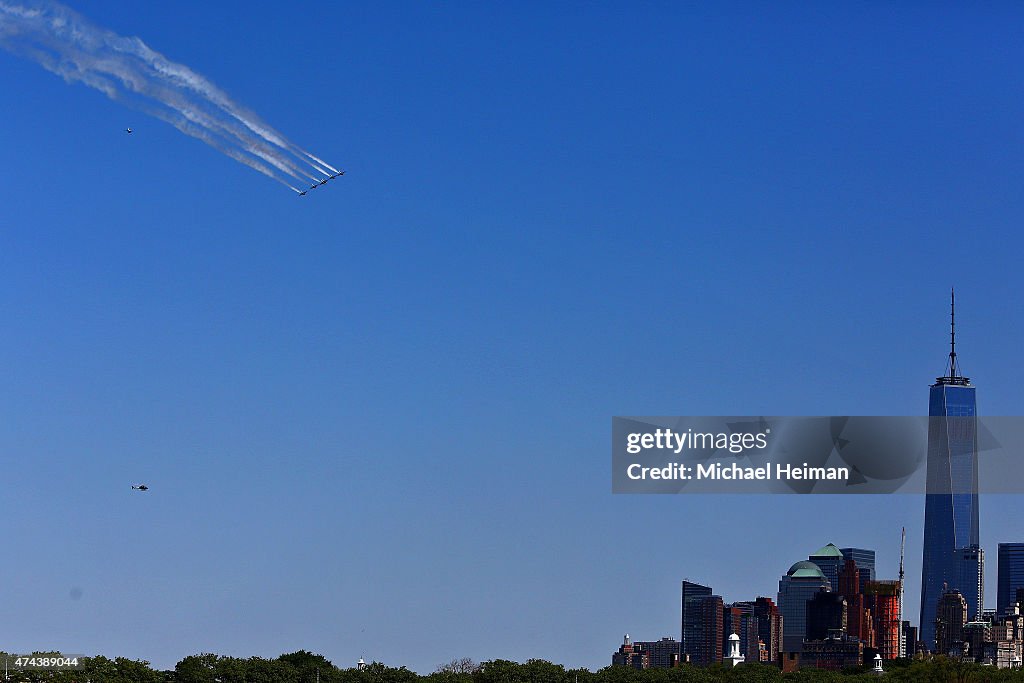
140 487
127 130
303 192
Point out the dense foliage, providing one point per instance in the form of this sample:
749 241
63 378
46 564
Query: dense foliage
306 667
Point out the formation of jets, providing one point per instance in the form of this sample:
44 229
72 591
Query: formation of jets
140 487
320 182
302 193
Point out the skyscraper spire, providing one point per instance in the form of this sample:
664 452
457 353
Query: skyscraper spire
952 333
953 375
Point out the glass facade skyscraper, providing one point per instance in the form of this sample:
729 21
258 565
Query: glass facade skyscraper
830 561
951 519
800 584
1010 578
971 563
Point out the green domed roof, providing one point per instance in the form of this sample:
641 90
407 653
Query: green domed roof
828 551
805 570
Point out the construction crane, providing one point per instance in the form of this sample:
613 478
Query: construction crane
903 635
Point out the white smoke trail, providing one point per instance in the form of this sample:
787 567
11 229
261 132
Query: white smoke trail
128 71
318 159
321 170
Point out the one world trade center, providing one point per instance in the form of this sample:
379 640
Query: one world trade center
952 558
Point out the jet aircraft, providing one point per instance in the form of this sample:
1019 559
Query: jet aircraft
140 487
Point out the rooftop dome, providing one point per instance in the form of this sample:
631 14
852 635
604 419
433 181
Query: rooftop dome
805 569
828 551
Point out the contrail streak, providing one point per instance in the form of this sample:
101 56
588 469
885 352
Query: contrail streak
319 160
128 71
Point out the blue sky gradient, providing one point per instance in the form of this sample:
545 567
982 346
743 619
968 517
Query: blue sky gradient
376 419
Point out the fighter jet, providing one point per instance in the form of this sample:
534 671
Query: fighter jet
303 193
140 487
128 130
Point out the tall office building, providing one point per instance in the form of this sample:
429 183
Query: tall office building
800 584
1010 577
951 501
971 564
830 560
690 630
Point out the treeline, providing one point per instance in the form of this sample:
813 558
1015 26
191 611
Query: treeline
306 667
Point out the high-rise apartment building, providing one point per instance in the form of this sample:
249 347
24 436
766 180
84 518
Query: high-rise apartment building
702 618
692 594
709 647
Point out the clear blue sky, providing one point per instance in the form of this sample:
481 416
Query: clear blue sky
376 420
